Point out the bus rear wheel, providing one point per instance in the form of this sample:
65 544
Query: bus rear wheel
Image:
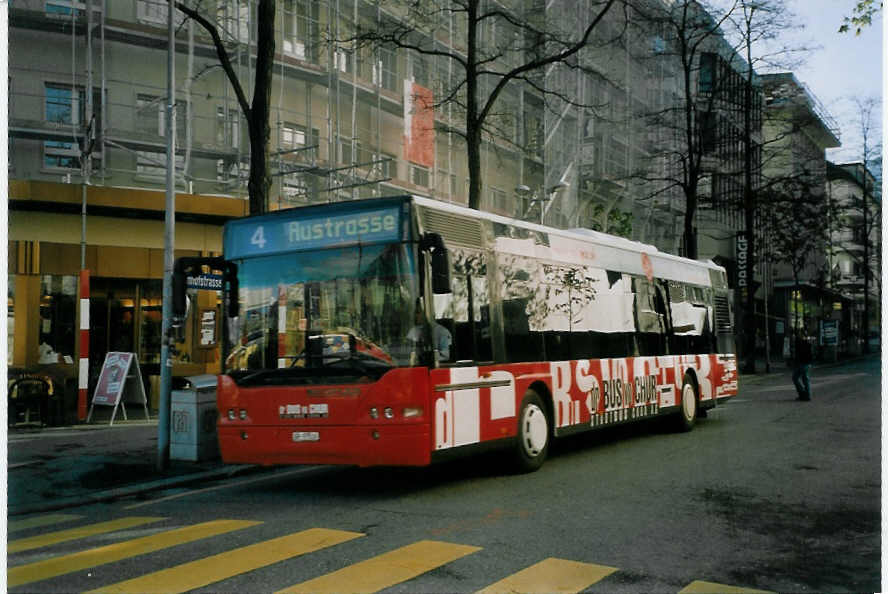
687 415
533 434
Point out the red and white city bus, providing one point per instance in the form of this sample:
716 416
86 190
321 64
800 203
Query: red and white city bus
401 331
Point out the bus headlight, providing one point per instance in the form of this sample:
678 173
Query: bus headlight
374 413
243 414
389 413
231 415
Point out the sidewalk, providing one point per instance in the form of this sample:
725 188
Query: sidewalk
58 467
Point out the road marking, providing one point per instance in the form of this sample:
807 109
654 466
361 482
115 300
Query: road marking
226 486
48 568
552 575
203 572
387 569
40 521
700 587
44 540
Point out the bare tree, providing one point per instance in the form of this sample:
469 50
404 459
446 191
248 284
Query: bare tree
861 215
798 226
756 26
522 44
256 113
693 33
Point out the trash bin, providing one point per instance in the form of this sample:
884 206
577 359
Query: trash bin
193 420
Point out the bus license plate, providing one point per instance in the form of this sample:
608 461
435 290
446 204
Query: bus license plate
306 436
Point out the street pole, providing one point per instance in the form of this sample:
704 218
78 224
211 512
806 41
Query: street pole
166 362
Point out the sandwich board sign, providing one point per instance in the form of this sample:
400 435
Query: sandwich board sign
120 382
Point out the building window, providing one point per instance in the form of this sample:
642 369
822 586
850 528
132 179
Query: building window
152 165
64 104
296 28
385 71
420 70
61 155
708 72
155 12
227 127
150 114
63 8
231 172
447 183
344 60
233 17
292 136
294 188
499 200
419 176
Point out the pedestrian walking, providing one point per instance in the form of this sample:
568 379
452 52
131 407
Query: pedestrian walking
803 358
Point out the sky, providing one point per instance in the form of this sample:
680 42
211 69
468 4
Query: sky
844 66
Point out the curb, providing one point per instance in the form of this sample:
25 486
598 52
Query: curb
111 494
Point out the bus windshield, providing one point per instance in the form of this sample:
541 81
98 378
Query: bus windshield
344 307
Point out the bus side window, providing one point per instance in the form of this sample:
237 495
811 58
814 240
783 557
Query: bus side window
466 310
525 310
650 317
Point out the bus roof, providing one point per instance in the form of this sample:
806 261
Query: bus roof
607 251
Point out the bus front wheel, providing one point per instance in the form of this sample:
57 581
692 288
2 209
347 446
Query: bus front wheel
533 434
687 416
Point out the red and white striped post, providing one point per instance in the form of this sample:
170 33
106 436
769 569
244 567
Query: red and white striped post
83 378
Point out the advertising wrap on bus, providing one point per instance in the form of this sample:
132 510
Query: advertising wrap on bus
404 331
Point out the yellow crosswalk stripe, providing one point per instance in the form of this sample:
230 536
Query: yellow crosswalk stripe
48 568
387 569
44 540
40 521
701 587
552 575
210 570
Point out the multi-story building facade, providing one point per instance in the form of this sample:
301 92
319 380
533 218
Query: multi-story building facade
797 131
854 249
87 125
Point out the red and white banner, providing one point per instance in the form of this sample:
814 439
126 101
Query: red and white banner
419 124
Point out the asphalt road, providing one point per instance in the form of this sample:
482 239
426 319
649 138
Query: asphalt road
766 493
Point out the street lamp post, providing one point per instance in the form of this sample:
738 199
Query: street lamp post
166 362
538 196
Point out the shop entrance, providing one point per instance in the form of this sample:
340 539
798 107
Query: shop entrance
125 315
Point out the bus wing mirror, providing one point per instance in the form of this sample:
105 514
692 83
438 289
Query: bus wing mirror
233 290
440 262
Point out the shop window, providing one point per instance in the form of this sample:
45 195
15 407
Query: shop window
10 317
58 337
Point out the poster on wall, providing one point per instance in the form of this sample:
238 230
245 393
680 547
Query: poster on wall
120 382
